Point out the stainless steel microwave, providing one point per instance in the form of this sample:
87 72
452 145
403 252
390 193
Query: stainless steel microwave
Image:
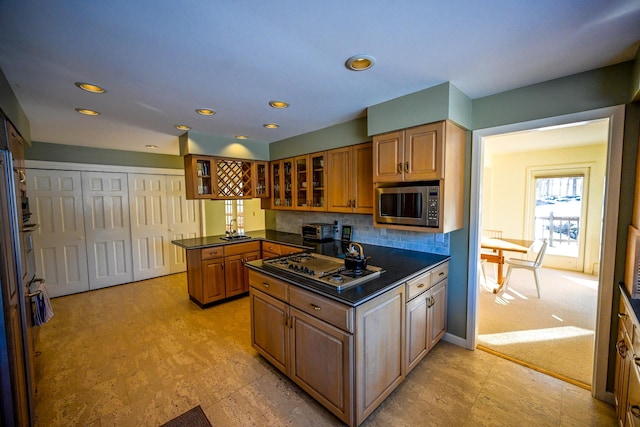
417 205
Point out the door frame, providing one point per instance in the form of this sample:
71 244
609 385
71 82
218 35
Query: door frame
609 230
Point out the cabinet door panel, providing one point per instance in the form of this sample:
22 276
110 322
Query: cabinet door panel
387 157
362 181
437 313
213 280
269 333
315 344
234 275
422 152
339 170
417 345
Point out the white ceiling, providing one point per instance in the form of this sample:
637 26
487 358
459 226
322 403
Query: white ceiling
160 60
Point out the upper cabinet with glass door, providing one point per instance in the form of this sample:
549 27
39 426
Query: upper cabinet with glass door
261 176
198 177
310 182
282 188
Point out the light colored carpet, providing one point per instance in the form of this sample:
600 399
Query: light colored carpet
555 332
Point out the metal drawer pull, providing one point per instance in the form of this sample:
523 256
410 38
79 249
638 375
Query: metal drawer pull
406 167
421 285
621 348
315 307
399 167
441 273
623 316
635 410
265 284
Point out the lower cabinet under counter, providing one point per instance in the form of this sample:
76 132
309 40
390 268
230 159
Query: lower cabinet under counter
350 359
216 273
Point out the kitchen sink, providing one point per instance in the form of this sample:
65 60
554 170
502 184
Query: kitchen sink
236 237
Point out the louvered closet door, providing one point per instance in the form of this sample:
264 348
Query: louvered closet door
149 226
108 231
55 198
183 220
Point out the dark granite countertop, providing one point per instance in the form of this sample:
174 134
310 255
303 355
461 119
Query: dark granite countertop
275 236
399 264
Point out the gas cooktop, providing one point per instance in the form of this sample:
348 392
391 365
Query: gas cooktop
322 269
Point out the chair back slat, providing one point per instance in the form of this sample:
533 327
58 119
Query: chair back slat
540 256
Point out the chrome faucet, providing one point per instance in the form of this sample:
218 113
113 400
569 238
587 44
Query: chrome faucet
232 231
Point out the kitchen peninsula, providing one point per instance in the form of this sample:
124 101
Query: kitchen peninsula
350 348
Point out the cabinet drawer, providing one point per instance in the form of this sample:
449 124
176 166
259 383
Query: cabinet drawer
269 285
271 247
332 312
213 252
418 285
288 250
439 273
241 248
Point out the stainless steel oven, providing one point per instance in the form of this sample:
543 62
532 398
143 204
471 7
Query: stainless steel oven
417 205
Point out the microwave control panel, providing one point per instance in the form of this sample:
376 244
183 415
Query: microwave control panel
433 202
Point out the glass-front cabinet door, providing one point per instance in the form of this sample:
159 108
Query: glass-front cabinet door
318 180
261 175
282 188
302 200
199 171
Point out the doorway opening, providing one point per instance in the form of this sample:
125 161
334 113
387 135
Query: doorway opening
518 218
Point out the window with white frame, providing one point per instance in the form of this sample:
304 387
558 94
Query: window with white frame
234 209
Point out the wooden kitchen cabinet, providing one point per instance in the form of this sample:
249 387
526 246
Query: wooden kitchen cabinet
422 153
216 273
310 182
348 358
349 173
208 177
261 178
624 361
426 313
282 187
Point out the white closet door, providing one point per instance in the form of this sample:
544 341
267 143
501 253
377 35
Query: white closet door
61 257
108 231
149 226
183 219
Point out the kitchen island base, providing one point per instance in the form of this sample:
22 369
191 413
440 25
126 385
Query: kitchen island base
349 358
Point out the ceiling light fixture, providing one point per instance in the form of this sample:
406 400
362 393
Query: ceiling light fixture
278 104
87 112
271 125
205 111
242 137
360 62
182 127
90 87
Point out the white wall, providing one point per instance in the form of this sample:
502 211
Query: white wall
505 192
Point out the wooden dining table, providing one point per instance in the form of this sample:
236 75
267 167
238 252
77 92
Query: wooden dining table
499 246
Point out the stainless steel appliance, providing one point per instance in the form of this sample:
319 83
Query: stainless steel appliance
317 231
322 269
16 363
417 205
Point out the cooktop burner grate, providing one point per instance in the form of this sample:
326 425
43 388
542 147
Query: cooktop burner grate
323 269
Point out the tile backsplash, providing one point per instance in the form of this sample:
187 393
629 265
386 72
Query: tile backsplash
364 231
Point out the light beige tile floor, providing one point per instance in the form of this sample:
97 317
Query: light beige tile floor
141 354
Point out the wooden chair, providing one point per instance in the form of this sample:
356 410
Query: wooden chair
534 266
494 234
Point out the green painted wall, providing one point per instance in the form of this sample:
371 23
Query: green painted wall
437 103
211 145
586 91
11 108
100 156
349 133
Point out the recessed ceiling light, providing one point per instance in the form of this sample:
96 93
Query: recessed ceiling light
90 87
271 125
151 146
242 137
278 104
182 127
360 62
205 111
87 112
